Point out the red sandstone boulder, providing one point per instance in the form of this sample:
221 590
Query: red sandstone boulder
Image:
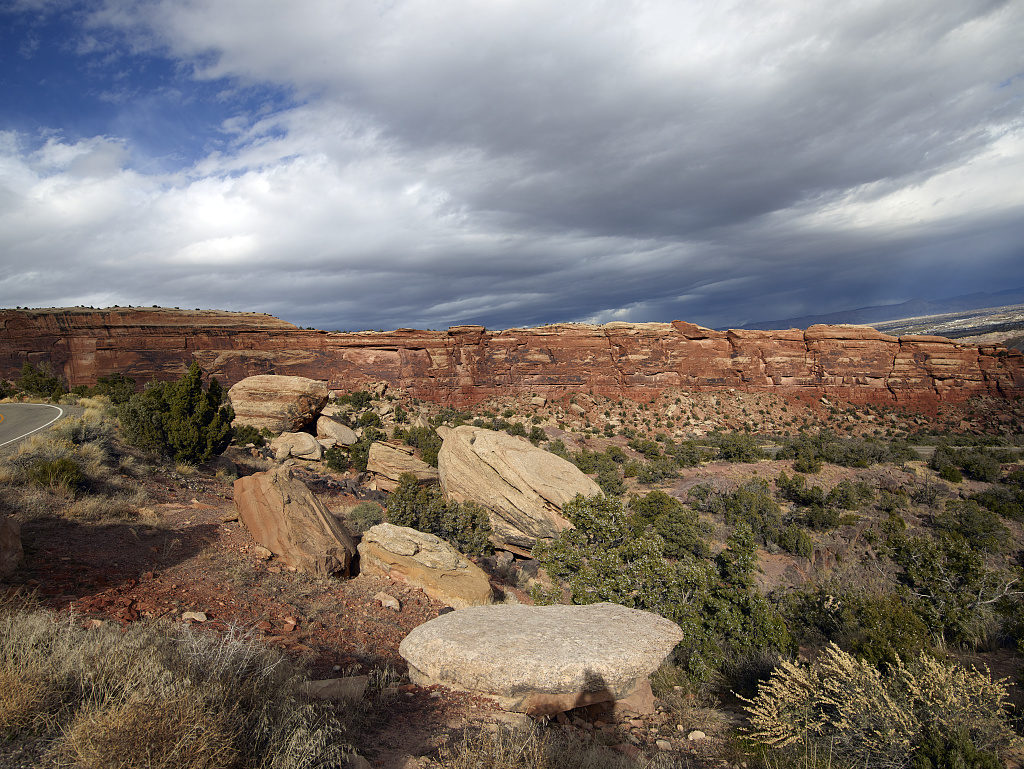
278 403
285 517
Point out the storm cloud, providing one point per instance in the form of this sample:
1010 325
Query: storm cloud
411 163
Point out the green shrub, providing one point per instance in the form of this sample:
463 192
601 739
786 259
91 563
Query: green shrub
811 449
465 525
980 464
976 524
737 447
246 434
537 435
179 419
753 504
876 627
358 399
645 446
62 474
117 387
679 527
427 441
41 380
364 516
1006 500
955 750
604 558
336 459
359 452
557 447
956 592
951 473
796 490
370 419
7 389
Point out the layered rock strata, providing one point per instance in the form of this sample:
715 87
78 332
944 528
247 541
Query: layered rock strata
467 364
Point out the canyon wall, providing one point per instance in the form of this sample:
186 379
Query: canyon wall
467 364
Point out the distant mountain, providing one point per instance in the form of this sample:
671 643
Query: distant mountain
908 309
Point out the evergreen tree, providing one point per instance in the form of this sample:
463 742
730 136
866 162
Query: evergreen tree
180 419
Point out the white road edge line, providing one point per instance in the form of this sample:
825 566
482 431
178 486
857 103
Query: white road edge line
59 415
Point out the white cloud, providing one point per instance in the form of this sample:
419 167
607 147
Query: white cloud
528 161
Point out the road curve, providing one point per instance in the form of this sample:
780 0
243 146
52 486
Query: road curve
20 420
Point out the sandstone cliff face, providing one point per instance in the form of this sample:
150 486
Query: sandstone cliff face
467 364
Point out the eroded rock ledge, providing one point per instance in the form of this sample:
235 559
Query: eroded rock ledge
468 364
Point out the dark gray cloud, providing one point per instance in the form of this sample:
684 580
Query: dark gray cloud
531 162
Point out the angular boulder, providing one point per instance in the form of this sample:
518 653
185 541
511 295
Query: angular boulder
424 561
543 659
328 428
523 487
298 445
279 403
285 517
11 553
388 461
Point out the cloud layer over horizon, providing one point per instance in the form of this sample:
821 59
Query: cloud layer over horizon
412 163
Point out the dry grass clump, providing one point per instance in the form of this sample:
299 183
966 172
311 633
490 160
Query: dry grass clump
151 735
158 695
537 748
847 708
72 469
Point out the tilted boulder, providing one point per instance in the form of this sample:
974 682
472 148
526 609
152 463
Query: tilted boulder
329 428
522 487
285 517
424 561
11 553
388 461
298 445
279 403
543 659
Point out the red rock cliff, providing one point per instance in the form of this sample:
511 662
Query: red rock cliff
467 364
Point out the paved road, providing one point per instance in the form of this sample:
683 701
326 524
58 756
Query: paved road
19 420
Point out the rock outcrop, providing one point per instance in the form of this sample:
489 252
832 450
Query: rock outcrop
278 403
388 461
522 487
285 517
424 561
467 364
542 659
298 445
11 553
339 433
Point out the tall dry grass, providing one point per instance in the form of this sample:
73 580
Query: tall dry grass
158 695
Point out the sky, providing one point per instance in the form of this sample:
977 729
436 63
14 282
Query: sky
424 163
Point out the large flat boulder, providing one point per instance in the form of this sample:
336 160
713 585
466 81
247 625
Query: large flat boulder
522 487
388 461
543 659
11 553
279 403
424 561
284 516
